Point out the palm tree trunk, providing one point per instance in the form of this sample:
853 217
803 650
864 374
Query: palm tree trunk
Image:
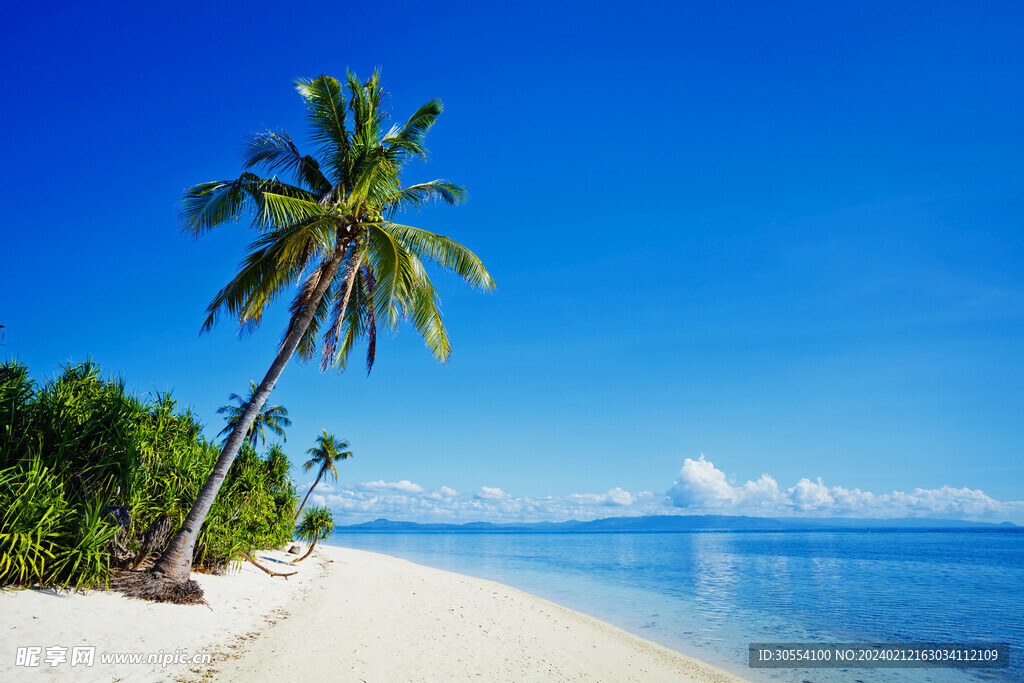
176 562
308 552
256 564
297 514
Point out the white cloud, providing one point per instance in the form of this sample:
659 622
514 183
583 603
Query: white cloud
615 497
406 501
699 483
807 495
487 493
701 487
618 497
404 486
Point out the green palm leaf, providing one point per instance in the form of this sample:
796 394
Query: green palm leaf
443 251
274 418
278 154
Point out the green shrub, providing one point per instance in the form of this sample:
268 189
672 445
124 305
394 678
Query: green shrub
80 447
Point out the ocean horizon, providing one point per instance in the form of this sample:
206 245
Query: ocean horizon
710 593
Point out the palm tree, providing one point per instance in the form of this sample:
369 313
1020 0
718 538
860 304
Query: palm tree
274 418
317 525
333 230
326 453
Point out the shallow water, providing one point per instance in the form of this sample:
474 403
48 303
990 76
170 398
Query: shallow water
710 594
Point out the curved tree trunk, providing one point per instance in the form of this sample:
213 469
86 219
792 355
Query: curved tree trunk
256 564
308 553
299 513
175 564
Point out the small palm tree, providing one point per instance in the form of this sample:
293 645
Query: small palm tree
274 418
326 453
317 525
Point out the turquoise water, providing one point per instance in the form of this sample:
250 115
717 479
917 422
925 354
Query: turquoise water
710 594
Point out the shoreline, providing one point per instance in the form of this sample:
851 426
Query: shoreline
348 615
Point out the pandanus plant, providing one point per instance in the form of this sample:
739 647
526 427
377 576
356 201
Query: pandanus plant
332 229
317 524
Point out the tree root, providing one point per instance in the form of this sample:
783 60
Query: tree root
148 586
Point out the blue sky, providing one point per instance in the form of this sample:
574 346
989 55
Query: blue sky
786 236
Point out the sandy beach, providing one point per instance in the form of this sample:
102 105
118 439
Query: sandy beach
348 615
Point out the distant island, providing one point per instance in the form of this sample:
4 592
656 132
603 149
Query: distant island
688 523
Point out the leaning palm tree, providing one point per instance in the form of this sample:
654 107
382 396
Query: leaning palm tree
326 453
274 418
332 229
317 525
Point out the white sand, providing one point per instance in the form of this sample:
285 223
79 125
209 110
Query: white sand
242 604
350 616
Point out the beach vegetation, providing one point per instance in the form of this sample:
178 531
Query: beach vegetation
330 227
273 418
317 524
95 479
327 453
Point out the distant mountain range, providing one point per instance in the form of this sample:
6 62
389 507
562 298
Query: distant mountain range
688 523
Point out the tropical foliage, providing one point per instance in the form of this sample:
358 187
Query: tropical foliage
93 477
328 451
274 418
332 230
317 524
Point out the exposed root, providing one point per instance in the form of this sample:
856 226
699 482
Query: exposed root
148 586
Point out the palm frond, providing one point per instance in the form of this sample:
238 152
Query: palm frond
343 299
369 320
365 100
276 259
426 317
325 120
395 275
409 138
443 251
304 299
277 153
205 206
281 211
416 196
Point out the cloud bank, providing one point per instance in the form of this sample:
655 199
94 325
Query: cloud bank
700 488
405 500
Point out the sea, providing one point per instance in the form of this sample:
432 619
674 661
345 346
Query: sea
710 594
